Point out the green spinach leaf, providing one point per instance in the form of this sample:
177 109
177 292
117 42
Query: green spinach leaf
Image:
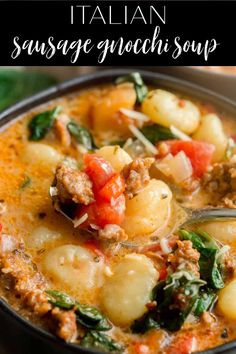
193 237
87 316
92 318
82 135
174 309
156 132
139 86
210 268
41 124
61 300
100 341
175 300
146 323
205 302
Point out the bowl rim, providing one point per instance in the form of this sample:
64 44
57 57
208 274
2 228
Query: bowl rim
74 85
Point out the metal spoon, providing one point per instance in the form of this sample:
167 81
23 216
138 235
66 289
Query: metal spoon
202 215
194 216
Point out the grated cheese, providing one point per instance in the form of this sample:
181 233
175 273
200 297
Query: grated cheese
149 146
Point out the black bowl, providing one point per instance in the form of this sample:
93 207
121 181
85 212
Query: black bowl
19 336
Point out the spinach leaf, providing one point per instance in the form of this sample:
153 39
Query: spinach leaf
87 316
210 269
193 237
146 323
92 318
208 240
156 132
139 86
41 124
208 262
172 310
82 135
61 300
16 84
100 341
205 302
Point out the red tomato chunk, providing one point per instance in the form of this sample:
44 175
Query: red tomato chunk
199 153
102 213
99 170
108 186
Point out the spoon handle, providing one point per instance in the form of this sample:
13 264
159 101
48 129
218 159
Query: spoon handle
203 215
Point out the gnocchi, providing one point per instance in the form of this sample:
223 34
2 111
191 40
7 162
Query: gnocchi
211 131
222 231
41 154
40 236
105 109
167 109
117 157
126 293
74 267
226 302
149 210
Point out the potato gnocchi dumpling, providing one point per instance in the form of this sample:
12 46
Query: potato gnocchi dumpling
117 157
105 110
211 131
149 210
74 266
167 109
126 293
223 231
40 236
226 302
41 154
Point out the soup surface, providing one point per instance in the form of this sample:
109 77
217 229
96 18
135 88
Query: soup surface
94 190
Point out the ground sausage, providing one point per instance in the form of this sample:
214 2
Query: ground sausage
29 286
185 258
64 324
112 232
220 182
73 185
136 175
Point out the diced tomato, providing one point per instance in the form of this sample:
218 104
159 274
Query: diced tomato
98 170
94 247
102 213
113 188
163 274
0 227
183 344
140 348
199 153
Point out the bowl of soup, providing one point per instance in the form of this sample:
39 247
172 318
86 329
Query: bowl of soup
99 176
